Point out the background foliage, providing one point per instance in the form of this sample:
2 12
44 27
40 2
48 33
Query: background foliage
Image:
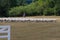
14 8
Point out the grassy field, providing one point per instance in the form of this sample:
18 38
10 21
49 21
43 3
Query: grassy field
34 30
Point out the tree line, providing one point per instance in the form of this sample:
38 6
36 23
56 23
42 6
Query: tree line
17 8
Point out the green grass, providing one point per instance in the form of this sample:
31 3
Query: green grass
34 31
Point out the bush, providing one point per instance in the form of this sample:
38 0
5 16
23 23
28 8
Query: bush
30 10
16 11
49 11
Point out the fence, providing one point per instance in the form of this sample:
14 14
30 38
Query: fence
5 29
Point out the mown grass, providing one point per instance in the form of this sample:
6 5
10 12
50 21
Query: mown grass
3 39
34 30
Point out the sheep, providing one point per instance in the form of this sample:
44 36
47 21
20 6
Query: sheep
27 20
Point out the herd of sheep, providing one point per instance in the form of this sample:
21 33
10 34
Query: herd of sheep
27 20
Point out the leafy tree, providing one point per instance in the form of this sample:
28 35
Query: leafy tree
4 6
